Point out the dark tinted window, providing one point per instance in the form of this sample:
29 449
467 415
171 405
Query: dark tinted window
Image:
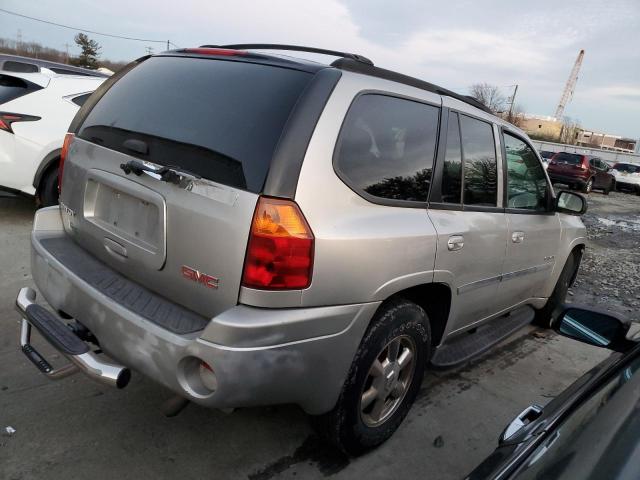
13 87
526 181
571 158
452 169
219 119
480 165
627 167
387 146
546 153
22 67
80 99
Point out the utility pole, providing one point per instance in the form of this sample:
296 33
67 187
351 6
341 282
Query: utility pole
149 50
569 87
168 42
18 41
513 101
66 46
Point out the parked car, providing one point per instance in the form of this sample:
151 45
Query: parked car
627 176
589 431
36 109
20 64
581 171
283 231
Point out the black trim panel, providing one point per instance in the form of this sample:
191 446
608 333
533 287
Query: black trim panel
284 171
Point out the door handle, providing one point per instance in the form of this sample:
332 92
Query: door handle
455 242
517 237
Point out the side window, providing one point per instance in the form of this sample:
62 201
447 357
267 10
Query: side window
452 169
80 99
387 145
526 182
592 163
480 164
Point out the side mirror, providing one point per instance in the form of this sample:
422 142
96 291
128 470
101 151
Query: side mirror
571 203
594 328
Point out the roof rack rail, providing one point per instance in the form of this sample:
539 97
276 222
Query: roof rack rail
349 65
293 48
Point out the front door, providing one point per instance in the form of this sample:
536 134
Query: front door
533 228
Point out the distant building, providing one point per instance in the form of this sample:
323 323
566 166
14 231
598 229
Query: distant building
606 141
540 126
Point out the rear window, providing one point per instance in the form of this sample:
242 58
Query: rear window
14 87
218 119
571 158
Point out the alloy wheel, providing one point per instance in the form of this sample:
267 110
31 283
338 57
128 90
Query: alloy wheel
388 381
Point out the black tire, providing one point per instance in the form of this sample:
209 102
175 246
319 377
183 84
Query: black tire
638 191
544 315
588 186
612 186
344 426
48 191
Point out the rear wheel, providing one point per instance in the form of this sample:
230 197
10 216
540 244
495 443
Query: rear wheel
48 191
383 381
588 186
612 186
638 190
544 316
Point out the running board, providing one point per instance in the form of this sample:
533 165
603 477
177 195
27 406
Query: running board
467 345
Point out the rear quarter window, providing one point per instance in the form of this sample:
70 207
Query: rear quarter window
387 146
13 87
218 119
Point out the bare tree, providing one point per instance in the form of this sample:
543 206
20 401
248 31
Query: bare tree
489 95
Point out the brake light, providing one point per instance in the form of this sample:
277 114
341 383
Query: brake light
227 52
280 248
68 138
7 119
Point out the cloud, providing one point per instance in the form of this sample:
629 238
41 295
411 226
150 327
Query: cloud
617 92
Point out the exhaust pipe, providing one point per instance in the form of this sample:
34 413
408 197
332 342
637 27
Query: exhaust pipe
66 342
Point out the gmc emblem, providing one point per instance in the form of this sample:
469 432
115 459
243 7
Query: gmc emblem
196 276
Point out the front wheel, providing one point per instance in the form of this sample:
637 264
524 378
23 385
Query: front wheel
383 381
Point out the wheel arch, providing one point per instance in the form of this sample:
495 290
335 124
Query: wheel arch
435 299
47 162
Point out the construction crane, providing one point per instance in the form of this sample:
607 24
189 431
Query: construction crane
570 86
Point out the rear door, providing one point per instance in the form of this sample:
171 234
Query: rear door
533 227
218 119
466 212
603 177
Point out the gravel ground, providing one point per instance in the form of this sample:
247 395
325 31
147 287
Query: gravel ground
609 276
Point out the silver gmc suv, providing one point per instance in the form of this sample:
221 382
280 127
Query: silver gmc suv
251 229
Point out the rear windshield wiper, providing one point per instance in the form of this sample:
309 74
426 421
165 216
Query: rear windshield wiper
168 173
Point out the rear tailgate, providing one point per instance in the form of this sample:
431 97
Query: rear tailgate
221 120
564 163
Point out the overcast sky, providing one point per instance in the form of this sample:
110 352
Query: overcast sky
454 43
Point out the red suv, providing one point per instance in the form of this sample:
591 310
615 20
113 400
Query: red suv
581 171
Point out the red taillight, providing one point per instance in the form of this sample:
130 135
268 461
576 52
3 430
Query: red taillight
227 52
280 249
68 138
6 119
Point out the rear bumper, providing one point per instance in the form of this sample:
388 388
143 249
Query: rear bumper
259 356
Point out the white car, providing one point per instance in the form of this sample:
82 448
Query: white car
36 109
627 176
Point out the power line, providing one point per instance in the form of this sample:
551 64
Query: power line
84 29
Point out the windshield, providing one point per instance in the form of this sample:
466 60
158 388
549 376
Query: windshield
218 119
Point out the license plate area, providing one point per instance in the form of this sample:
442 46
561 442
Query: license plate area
126 217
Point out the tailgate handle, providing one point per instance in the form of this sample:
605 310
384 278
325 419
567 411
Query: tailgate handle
115 248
